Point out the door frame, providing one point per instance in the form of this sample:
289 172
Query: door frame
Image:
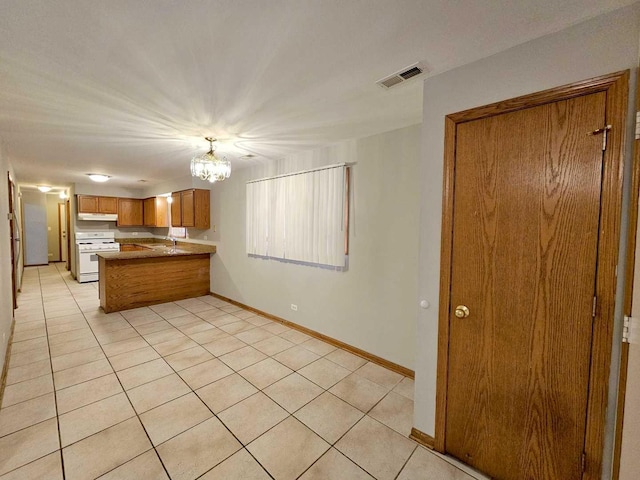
63 225
628 293
68 223
12 220
616 86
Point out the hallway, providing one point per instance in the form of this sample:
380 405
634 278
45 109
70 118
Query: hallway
194 389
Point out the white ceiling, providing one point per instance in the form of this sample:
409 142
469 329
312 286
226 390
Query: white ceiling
130 87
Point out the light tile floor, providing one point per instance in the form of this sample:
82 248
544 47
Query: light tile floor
194 389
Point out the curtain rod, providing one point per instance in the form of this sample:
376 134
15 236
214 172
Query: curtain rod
327 167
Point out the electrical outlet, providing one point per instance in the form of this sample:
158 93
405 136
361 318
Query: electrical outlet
205 237
135 234
215 228
294 307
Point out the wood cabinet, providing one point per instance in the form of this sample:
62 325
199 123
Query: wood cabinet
155 212
130 247
191 208
126 283
176 209
94 204
130 212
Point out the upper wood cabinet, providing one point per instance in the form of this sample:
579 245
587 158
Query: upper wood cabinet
155 212
176 209
130 212
191 208
94 204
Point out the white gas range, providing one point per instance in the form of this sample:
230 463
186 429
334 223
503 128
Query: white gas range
87 245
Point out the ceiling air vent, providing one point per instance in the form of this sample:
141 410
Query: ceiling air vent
402 76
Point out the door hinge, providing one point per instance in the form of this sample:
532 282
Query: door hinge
594 307
631 330
584 462
602 131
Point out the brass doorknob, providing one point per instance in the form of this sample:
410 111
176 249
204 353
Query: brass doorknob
462 311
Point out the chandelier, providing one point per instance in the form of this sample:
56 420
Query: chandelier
207 166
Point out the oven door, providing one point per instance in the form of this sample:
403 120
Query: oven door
87 266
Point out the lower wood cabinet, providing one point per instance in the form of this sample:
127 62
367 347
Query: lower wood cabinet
129 247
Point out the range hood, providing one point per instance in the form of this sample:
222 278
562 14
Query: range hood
98 217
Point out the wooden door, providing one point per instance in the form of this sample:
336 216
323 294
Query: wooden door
202 209
149 212
188 209
87 204
107 205
176 209
161 207
13 239
68 224
130 212
62 231
526 221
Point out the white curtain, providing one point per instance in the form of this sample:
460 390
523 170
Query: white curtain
298 217
258 204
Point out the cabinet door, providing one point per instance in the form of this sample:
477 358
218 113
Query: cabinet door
87 204
162 214
107 205
202 213
150 212
176 209
188 209
130 212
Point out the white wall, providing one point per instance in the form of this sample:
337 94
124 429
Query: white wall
369 306
53 227
602 45
6 297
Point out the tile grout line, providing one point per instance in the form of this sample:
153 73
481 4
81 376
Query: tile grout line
207 406
123 391
128 399
53 380
177 372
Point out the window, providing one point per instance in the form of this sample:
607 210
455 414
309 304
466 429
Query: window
300 216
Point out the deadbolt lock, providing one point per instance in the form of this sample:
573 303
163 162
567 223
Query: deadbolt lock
462 311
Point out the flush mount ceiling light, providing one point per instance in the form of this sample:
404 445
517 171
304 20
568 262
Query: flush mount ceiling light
62 195
98 177
209 167
44 188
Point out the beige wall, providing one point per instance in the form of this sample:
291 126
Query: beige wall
629 458
602 45
371 305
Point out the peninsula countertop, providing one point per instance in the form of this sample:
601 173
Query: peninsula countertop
159 250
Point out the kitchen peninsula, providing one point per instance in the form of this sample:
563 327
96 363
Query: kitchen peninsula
153 273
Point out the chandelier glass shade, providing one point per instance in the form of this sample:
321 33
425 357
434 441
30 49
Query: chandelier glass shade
207 166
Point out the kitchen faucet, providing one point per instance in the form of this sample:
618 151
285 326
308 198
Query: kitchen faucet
173 239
